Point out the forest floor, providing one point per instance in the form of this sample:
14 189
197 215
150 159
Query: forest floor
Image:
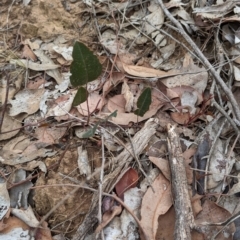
149 129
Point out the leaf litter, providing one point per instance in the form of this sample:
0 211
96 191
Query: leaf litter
85 100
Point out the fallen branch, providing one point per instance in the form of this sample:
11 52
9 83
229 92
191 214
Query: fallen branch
184 216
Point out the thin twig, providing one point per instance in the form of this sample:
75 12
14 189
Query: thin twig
5 102
100 183
226 115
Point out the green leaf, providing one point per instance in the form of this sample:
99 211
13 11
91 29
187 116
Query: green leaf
143 103
80 97
85 66
113 114
92 131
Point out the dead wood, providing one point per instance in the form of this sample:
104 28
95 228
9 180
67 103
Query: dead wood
184 216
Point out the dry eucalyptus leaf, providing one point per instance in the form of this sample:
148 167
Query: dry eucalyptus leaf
20 150
9 124
94 103
26 101
140 71
28 53
155 204
197 79
34 66
62 105
128 95
218 214
26 216
155 19
163 165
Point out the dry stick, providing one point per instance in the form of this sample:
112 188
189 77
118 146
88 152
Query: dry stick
5 102
100 186
204 60
220 60
225 114
184 216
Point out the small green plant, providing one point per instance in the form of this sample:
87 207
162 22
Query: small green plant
85 68
144 102
92 130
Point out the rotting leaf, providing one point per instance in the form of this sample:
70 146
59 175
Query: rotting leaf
143 103
85 66
80 97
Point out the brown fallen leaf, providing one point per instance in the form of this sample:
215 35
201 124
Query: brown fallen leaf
163 165
155 204
27 101
212 213
36 83
140 71
9 124
181 118
166 225
28 53
112 82
128 180
94 102
118 103
12 223
197 79
196 204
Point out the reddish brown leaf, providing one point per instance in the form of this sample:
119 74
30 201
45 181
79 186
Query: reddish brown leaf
128 180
